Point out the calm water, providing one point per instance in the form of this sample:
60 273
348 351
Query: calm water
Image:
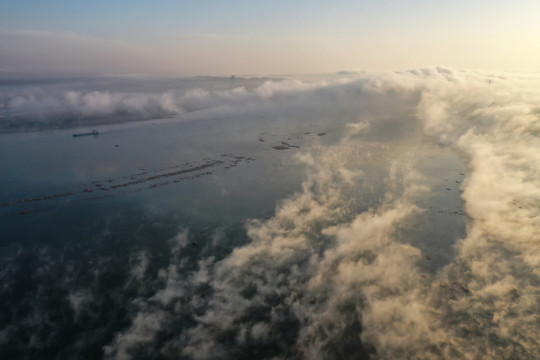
106 241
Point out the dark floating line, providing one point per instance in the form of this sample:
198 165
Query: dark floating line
174 173
285 146
115 189
47 197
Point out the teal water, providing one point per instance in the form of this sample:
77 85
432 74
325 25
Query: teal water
99 231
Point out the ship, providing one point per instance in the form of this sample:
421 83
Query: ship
93 132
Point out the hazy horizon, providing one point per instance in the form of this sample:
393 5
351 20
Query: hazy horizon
275 37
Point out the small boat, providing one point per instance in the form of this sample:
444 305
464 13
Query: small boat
93 132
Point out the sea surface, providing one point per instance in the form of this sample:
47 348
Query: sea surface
240 218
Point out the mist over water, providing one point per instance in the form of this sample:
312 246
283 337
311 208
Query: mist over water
367 216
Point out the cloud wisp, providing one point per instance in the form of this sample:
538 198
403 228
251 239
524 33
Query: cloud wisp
321 280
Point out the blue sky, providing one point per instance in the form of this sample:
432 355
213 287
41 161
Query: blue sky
217 37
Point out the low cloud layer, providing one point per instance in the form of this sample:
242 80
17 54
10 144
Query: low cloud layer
27 106
93 104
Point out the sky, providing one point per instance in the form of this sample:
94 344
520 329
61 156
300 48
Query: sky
264 38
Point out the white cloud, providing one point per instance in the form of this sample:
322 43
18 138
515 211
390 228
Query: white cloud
321 275
90 105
